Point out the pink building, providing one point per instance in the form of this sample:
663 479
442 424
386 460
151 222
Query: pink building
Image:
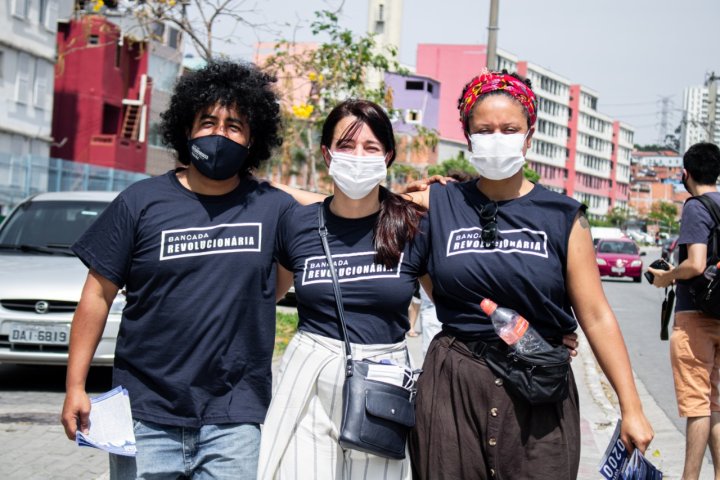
575 149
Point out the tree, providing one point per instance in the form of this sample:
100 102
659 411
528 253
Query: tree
617 217
455 164
197 19
314 80
665 213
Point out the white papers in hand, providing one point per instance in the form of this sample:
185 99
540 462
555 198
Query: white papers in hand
111 426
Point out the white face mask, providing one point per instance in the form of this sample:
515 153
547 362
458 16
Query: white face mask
357 175
497 156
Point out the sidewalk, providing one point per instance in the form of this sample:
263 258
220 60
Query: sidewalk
35 447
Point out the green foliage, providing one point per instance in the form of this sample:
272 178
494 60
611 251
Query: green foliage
403 173
336 70
458 163
530 174
285 328
616 217
665 213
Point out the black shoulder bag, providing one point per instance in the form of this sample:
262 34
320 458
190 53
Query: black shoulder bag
376 416
705 293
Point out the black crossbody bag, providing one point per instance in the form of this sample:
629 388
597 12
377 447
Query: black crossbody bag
706 293
376 416
539 378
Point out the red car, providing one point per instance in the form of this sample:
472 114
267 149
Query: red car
619 257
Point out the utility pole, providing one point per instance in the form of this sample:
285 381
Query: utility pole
492 63
664 112
712 105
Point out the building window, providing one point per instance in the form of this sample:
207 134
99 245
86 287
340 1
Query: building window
413 116
22 84
20 8
430 87
93 40
2 64
173 38
157 31
414 85
40 92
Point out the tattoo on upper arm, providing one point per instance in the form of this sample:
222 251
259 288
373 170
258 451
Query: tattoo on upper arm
584 221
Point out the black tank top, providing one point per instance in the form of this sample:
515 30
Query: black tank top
523 270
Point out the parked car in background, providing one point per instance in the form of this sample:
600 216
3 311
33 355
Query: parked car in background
619 257
641 237
599 233
41 279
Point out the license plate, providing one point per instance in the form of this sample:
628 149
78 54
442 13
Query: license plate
39 334
618 269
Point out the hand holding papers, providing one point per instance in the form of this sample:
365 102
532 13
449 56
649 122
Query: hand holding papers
617 466
111 426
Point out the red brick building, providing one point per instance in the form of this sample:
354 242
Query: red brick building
102 94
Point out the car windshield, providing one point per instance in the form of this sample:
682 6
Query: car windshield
618 247
48 227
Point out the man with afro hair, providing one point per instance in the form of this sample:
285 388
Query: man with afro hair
193 251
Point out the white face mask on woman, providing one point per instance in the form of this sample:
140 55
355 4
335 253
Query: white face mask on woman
497 156
357 175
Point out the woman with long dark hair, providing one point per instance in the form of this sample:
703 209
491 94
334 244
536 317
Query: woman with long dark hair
379 250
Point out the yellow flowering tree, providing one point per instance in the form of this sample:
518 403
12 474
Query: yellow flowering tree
314 80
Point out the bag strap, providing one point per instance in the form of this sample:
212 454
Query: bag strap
322 230
714 210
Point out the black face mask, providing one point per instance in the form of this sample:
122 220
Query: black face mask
684 182
217 157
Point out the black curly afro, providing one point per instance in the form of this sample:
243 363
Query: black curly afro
242 86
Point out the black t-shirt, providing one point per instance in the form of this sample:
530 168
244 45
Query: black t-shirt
196 338
375 298
524 270
696 226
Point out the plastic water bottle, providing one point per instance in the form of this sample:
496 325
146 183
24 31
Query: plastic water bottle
514 329
711 271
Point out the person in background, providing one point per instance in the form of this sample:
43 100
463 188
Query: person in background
528 249
194 250
695 340
379 241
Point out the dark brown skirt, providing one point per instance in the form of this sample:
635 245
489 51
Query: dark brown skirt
469 427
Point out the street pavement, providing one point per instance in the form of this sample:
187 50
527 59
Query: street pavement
33 445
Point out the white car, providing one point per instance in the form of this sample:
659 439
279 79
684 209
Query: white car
41 279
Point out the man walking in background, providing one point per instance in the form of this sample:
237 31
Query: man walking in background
695 341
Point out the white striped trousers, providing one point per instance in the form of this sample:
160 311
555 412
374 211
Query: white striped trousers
300 435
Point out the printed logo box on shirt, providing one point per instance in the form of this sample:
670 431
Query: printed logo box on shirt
218 239
350 267
522 240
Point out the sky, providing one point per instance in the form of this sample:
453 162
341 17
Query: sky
631 52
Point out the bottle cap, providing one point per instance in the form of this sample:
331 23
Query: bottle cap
488 306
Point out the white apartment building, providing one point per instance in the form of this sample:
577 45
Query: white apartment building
27 62
695 126
548 155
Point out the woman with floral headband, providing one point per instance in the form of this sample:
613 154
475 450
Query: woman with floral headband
529 249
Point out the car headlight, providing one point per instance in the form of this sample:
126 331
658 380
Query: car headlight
601 261
118 304
636 263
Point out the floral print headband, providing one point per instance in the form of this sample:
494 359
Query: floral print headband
492 81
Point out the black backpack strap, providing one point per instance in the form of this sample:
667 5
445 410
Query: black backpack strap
714 210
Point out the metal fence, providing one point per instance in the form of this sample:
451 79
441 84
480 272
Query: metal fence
25 175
